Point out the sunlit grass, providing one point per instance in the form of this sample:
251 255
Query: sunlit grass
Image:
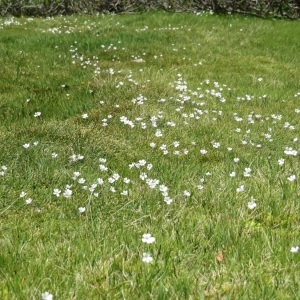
181 126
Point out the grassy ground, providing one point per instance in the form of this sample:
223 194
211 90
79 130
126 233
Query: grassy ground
185 127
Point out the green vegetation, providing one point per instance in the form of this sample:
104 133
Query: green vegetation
261 8
182 126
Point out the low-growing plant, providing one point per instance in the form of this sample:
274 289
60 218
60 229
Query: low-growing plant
149 156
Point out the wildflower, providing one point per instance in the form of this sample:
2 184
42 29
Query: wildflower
295 249
247 172
143 176
28 201
47 296
168 200
290 151
251 204
186 193
22 194
81 210
291 178
100 181
148 238
232 174
236 159
84 116
54 155
281 161
158 133
147 258
240 189
26 146
203 151
37 114
56 192
81 180
116 176
163 188
103 168
216 145
76 157
126 180
67 193
176 144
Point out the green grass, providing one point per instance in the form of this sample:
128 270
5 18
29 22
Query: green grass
48 245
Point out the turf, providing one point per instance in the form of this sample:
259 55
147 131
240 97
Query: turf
182 126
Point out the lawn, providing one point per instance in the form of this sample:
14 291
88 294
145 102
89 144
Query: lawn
149 156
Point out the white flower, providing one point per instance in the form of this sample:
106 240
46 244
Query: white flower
158 133
81 180
281 161
103 168
290 151
216 145
56 192
28 201
124 193
247 172
47 296
203 151
240 189
148 238
163 188
168 200
37 114
147 258
81 210
100 181
26 146
35 143
22 194
149 167
292 178
143 176
85 116
67 193
251 204
126 180
186 193
54 155
236 159
295 249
